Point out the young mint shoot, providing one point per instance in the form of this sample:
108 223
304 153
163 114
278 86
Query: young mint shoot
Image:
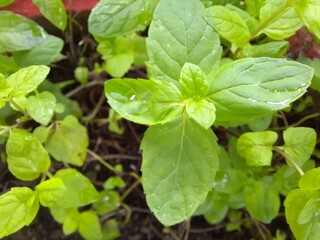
186 95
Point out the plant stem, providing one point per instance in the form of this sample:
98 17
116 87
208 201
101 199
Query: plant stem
104 163
95 110
291 161
129 190
305 119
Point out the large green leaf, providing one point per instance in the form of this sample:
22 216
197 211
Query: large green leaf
4 3
41 107
228 24
19 33
299 143
180 160
27 158
68 188
262 200
253 7
256 147
69 142
54 11
275 49
27 79
178 34
254 87
144 101
308 11
112 18
44 53
278 19
18 208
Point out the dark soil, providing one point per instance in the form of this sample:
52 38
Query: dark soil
124 150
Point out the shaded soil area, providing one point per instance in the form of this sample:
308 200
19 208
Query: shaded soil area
124 149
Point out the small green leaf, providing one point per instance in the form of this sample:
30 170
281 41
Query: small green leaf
119 65
144 101
178 34
110 230
41 107
256 147
243 90
41 133
218 210
112 18
310 181
193 82
68 188
253 7
202 111
7 65
44 53
27 158
302 214
54 11
19 33
81 74
89 226
18 208
5 90
308 11
278 19
69 142
113 182
108 202
228 24
27 79
262 200
181 184
299 143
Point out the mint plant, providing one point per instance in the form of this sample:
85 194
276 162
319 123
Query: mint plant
188 93
216 88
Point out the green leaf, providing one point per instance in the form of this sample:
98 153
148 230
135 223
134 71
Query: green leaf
286 177
112 18
278 19
108 202
302 214
81 74
256 147
5 91
218 210
228 24
202 111
193 82
178 34
54 11
41 133
262 200
185 158
7 65
27 158
68 188
69 142
110 230
89 226
41 107
113 182
299 143
43 53
27 79
271 49
4 3
308 11
250 21
261 124
209 3
144 101
243 90
18 208
119 65
19 33
310 181
253 7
